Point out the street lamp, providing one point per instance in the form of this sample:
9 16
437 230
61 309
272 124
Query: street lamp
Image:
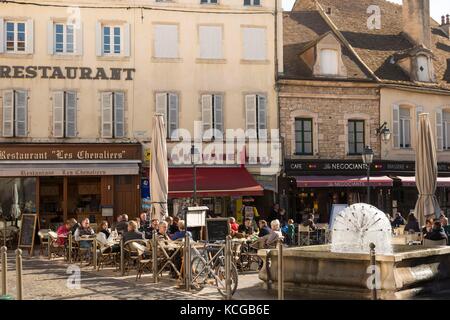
367 157
384 132
194 152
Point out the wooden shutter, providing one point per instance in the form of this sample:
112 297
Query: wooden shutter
58 114
207 114
29 31
107 115
8 113
119 114
21 113
250 115
218 115
79 39
262 117
126 38
439 130
173 114
50 38
98 39
396 126
71 114
2 35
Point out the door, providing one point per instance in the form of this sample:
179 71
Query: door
126 199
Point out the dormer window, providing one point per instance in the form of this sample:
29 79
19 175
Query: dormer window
329 62
423 70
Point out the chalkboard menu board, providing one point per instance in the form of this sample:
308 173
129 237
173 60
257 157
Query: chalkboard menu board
217 229
27 231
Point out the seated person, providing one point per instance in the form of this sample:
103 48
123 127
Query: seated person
164 239
309 222
122 224
428 227
247 228
398 221
154 226
444 222
275 233
105 238
179 235
412 224
234 227
132 233
74 225
82 231
173 228
437 233
63 232
264 229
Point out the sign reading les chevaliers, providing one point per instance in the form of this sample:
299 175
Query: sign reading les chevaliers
36 152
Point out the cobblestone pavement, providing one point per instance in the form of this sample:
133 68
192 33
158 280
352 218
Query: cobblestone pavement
47 280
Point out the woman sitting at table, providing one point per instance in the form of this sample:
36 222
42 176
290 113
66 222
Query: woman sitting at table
63 232
437 233
412 224
179 235
83 231
428 227
105 238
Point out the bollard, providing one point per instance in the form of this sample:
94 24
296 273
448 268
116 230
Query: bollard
94 252
155 257
373 264
187 262
228 267
70 248
268 265
4 270
19 282
280 271
122 258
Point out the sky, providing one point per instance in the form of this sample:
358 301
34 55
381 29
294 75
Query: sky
438 7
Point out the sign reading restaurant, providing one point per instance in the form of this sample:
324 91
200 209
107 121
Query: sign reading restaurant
81 73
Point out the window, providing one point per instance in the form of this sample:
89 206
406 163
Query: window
423 71
212 116
254 43
355 137
113 40
329 62
64 38
15 115
113 114
166 41
64 114
210 42
405 128
167 105
303 136
208 1
16 36
252 2
256 115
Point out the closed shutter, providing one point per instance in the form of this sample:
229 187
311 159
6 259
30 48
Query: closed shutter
439 130
98 39
8 113
161 107
107 115
254 44
207 114
58 114
173 115
21 113
218 115
29 29
2 35
262 117
328 62
210 42
71 114
119 114
79 39
396 126
250 115
126 40
166 41
50 38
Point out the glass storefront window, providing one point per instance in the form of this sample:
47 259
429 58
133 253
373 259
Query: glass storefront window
26 191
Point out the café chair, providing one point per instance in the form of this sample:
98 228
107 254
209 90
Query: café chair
434 243
105 256
53 246
133 254
43 237
304 235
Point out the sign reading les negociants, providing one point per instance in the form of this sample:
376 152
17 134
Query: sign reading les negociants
63 73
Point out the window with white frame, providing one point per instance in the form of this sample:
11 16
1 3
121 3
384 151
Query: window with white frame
16 36
166 41
446 129
254 43
423 68
64 114
329 62
64 38
256 115
113 114
113 39
212 116
210 38
252 2
15 113
167 104
356 136
402 127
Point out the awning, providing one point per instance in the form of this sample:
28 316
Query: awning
213 182
411 181
49 168
341 181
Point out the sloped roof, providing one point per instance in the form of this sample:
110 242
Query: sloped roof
374 47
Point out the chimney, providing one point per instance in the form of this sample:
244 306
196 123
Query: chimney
416 21
445 26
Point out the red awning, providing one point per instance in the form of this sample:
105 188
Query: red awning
411 181
339 181
213 182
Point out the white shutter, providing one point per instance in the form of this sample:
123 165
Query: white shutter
262 117
210 42
107 116
166 41
119 114
207 114
218 114
2 35
98 39
29 30
254 44
50 38
396 126
250 112
328 62
71 114
126 40
439 130
58 114
79 39
8 113
173 114
21 113
161 106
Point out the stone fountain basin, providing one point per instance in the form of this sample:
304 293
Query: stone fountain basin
315 272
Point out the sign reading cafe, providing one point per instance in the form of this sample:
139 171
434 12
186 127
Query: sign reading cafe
81 73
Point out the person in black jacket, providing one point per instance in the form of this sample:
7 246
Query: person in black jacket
412 224
437 233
